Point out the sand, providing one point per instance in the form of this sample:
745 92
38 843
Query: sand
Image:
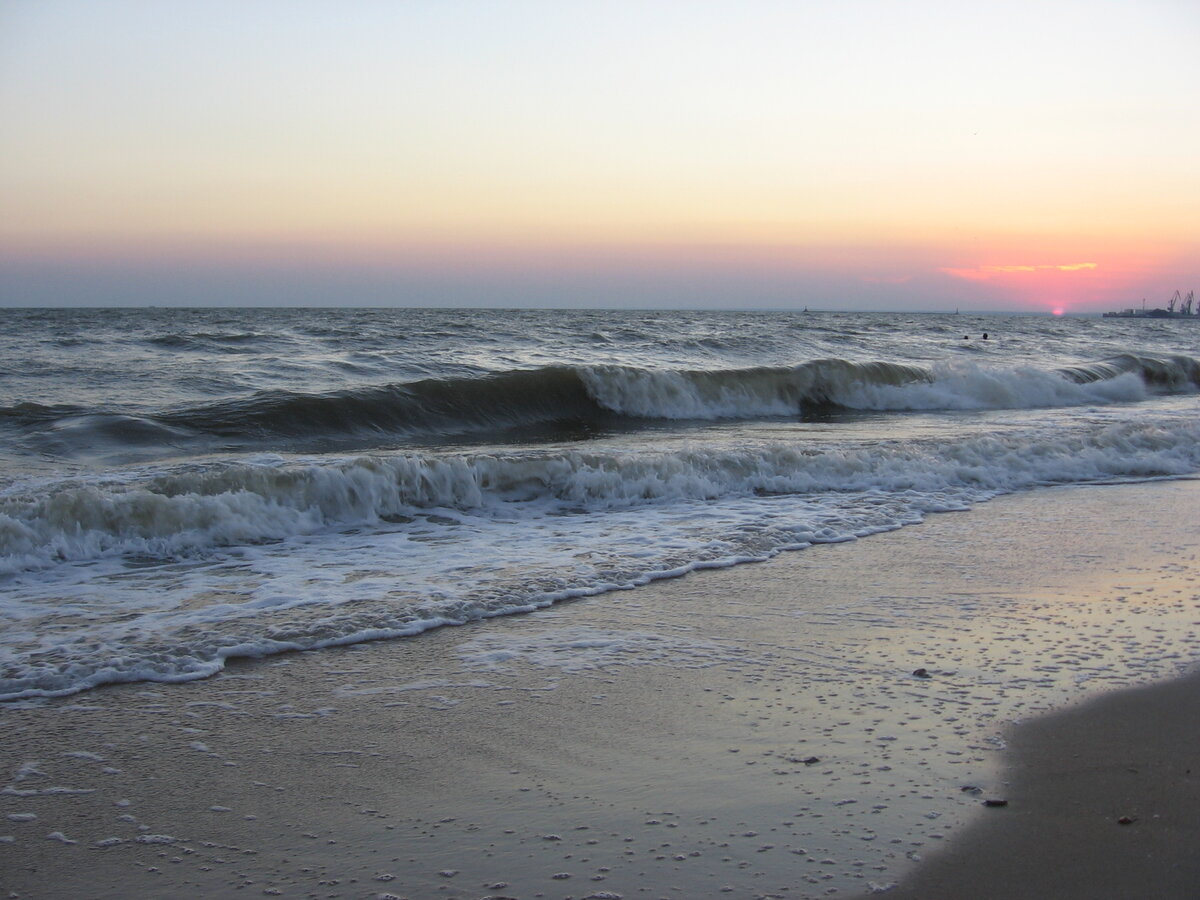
749 732
1103 802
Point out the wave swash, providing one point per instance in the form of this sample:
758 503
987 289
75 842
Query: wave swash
180 490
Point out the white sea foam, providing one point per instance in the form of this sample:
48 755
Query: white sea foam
968 386
239 505
948 385
164 575
598 523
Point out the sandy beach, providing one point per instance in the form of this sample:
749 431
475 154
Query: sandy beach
826 723
1102 803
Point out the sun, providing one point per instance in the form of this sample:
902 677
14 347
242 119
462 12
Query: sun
1057 311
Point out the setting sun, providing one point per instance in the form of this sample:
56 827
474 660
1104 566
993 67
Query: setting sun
396 395
445 149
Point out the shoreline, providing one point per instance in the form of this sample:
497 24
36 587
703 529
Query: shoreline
738 732
1101 803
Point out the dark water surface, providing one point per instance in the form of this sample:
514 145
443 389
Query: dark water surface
182 486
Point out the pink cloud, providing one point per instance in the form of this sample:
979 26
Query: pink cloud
983 273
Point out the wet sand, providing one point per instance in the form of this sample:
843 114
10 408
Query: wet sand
749 732
1103 803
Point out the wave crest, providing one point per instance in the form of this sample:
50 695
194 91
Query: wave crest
597 396
199 509
740 393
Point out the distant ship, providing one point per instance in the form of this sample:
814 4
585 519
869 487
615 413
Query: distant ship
1178 307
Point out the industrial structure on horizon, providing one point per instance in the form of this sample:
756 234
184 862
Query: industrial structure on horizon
1178 307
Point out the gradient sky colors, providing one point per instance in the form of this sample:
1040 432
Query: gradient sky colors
853 155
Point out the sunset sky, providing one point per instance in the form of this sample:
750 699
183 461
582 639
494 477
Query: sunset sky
862 154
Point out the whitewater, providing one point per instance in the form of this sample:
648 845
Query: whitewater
183 487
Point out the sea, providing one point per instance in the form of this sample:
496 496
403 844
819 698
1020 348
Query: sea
182 487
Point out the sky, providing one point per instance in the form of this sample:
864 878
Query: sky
860 154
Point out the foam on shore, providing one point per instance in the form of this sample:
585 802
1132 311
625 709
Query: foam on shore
755 730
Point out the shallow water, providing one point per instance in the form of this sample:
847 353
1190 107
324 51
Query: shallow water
758 729
185 486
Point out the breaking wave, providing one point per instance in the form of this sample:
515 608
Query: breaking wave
204 507
518 399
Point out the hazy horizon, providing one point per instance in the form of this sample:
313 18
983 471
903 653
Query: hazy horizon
1023 157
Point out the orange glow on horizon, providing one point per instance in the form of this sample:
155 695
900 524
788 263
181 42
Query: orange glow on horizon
1066 275
1013 272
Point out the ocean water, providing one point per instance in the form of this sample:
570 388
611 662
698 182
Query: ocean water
180 487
